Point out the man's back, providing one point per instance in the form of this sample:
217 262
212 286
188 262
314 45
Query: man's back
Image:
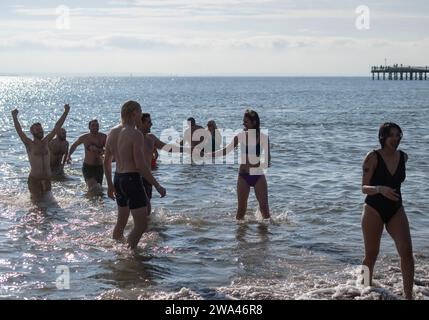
121 143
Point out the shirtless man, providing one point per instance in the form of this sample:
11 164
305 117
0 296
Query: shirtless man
189 133
125 144
39 180
58 148
150 147
94 143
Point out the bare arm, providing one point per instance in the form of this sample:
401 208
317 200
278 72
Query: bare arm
141 166
269 152
171 147
107 164
59 124
76 144
369 166
26 140
231 146
66 153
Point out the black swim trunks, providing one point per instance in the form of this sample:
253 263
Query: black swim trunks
129 190
93 172
148 188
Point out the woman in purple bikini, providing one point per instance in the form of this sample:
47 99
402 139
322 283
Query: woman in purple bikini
251 174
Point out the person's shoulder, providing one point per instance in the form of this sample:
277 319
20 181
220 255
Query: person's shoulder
241 135
371 157
116 129
405 155
84 136
135 133
151 136
264 134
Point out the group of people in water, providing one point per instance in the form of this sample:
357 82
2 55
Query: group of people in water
133 148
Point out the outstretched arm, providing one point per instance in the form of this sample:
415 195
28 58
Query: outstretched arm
26 140
223 152
78 142
174 148
59 124
144 170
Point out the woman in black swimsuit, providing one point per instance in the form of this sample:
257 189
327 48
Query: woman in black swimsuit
383 173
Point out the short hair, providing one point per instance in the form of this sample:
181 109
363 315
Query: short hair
93 120
384 132
191 120
128 108
145 116
212 123
34 125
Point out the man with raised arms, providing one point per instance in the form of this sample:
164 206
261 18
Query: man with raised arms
39 180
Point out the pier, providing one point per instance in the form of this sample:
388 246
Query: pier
399 72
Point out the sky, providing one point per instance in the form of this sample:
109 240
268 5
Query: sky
211 37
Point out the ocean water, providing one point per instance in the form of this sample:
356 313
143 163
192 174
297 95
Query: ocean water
320 130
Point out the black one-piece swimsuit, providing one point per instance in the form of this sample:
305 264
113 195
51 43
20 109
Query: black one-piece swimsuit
385 207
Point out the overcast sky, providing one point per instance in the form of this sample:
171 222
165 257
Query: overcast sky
284 37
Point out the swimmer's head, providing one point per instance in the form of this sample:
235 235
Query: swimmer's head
36 130
63 134
93 126
131 111
390 135
146 122
211 125
251 120
191 121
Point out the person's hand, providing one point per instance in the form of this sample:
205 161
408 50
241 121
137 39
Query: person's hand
111 192
14 113
389 193
66 108
162 192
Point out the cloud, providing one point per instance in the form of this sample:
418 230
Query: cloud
218 41
50 40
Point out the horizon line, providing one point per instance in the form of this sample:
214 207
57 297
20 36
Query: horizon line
184 75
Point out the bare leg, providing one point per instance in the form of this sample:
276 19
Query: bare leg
118 231
91 184
149 207
261 192
372 228
140 225
243 190
399 230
